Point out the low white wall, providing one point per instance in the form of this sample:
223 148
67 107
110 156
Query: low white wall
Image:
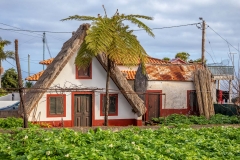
9 97
6 103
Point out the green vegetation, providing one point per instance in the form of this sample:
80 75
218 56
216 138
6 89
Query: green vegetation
2 92
164 143
182 55
10 79
166 59
4 54
11 122
175 119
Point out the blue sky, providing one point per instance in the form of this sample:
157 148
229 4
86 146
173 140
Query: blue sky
44 15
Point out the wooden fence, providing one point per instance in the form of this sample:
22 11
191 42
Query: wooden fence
9 113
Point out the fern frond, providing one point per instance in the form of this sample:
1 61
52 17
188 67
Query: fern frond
84 56
139 24
80 18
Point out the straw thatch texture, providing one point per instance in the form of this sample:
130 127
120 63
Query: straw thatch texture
202 81
69 48
123 85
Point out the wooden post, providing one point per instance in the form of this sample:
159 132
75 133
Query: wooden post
20 86
203 79
198 91
203 42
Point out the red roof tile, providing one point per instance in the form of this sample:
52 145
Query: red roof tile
47 61
130 75
34 77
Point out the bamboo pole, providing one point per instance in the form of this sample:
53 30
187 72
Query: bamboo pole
198 92
202 78
210 98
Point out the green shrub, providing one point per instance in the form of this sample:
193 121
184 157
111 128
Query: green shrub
176 119
2 92
11 122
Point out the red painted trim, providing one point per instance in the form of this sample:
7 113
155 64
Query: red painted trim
54 123
93 105
84 77
167 112
48 105
101 105
138 122
117 122
146 99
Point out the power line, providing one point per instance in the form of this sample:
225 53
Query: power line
17 28
223 38
71 32
8 29
16 67
170 26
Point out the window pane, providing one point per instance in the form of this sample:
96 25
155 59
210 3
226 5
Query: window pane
59 105
56 105
52 105
85 72
112 103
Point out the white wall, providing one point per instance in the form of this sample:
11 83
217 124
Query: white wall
4 104
176 92
124 68
67 78
9 97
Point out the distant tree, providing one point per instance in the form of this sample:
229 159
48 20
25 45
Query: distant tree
182 55
4 54
166 59
10 79
2 92
28 84
199 60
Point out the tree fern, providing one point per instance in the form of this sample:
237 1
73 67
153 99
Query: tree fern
113 38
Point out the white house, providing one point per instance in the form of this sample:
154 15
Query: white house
75 96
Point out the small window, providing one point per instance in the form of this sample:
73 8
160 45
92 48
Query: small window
56 105
113 105
84 73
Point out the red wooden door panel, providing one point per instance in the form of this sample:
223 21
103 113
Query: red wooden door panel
153 105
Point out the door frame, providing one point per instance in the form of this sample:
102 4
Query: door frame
93 104
146 101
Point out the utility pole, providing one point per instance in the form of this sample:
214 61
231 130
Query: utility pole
230 81
28 65
43 47
20 86
203 40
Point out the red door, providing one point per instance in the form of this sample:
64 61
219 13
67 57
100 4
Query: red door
153 105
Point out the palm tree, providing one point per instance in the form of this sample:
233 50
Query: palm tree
4 55
113 38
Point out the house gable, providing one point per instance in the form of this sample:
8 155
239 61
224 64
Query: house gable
61 61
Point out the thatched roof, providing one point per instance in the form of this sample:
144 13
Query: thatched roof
53 70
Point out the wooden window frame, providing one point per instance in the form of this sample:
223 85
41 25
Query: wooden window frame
84 77
101 105
48 105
